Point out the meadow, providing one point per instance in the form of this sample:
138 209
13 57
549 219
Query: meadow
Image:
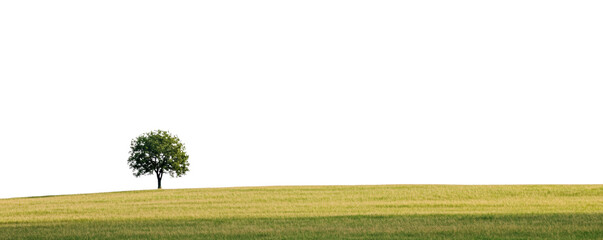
314 212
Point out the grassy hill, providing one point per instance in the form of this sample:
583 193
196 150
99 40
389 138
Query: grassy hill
314 212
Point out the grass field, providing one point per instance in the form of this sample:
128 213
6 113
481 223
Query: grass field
314 212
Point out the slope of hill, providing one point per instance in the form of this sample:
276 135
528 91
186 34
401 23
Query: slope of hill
314 212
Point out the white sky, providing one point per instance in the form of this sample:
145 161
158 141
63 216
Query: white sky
301 92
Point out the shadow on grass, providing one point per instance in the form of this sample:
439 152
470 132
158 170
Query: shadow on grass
478 226
43 196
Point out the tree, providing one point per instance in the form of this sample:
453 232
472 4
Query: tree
158 152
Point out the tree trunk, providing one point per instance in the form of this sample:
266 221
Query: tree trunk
158 182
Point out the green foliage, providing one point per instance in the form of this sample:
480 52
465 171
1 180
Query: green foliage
158 152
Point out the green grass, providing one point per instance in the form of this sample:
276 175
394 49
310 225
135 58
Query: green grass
314 212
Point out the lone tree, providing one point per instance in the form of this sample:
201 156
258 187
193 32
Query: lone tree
158 152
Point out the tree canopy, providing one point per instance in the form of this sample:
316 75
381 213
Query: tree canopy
158 152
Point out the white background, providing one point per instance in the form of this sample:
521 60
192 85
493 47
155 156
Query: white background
301 92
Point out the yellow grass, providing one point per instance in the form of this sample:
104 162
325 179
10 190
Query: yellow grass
386 211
